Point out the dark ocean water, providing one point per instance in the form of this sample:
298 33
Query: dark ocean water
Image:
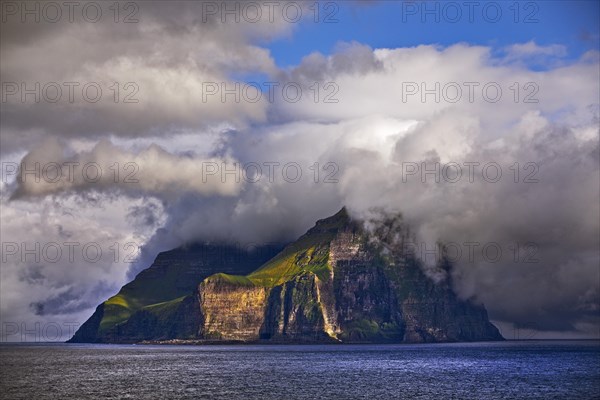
509 370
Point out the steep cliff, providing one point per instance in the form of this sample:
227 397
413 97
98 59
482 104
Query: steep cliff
339 282
291 311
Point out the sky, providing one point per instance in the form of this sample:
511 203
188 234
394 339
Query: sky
178 122
391 24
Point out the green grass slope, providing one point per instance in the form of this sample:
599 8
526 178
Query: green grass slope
144 291
310 253
158 290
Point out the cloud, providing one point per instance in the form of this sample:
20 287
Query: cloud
152 171
520 50
133 79
534 55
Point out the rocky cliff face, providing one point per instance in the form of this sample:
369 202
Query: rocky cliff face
292 311
231 311
337 283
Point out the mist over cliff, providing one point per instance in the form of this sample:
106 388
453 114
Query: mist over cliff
338 283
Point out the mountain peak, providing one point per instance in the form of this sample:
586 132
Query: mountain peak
338 221
331 284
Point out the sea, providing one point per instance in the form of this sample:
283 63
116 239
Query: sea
498 370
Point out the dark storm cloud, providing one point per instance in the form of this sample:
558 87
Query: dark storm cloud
67 302
147 214
32 274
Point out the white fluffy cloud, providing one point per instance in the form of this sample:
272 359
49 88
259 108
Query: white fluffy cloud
153 171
